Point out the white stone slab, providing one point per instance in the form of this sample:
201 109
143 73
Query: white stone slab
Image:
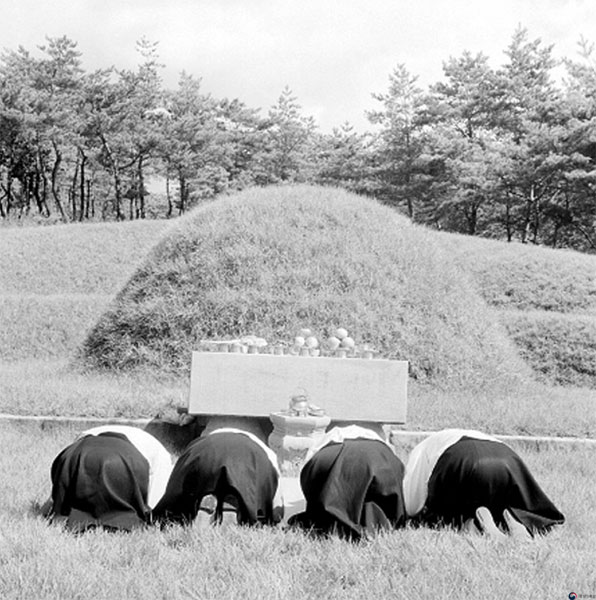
350 389
294 501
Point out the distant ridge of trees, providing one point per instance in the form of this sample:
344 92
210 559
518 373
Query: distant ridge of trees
507 153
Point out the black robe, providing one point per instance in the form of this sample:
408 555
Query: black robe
221 464
352 488
473 473
100 481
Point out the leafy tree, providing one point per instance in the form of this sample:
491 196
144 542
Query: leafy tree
244 137
16 143
58 91
403 160
461 113
531 95
345 158
533 129
575 219
40 109
190 131
505 153
132 134
469 98
145 103
288 137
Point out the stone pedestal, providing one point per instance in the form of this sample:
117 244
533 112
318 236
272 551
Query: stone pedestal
293 436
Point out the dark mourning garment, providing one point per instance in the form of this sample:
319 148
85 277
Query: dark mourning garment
224 463
100 481
479 472
352 488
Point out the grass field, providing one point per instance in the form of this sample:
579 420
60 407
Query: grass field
56 282
44 562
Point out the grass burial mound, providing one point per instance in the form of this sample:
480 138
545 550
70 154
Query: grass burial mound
271 261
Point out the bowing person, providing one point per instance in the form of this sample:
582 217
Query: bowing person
228 476
109 477
352 483
468 479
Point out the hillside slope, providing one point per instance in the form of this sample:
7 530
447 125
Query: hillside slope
518 276
545 298
55 282
89 258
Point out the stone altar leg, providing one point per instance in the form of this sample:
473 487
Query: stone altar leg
292 437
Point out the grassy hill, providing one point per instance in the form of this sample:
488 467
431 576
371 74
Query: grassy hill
55 282
546 300
518 276
268 262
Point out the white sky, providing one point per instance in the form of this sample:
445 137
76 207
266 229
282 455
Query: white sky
332 53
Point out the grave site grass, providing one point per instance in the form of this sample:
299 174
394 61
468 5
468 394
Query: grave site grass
546 300
60 282
40 561
55 281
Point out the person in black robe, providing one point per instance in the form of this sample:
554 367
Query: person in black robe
352 484
469 479
227 476
100 481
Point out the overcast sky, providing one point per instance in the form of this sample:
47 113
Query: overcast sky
332 53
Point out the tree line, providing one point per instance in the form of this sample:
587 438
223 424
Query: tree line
503 152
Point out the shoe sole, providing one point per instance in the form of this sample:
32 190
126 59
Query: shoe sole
206 513
487 523
516 529
229 513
